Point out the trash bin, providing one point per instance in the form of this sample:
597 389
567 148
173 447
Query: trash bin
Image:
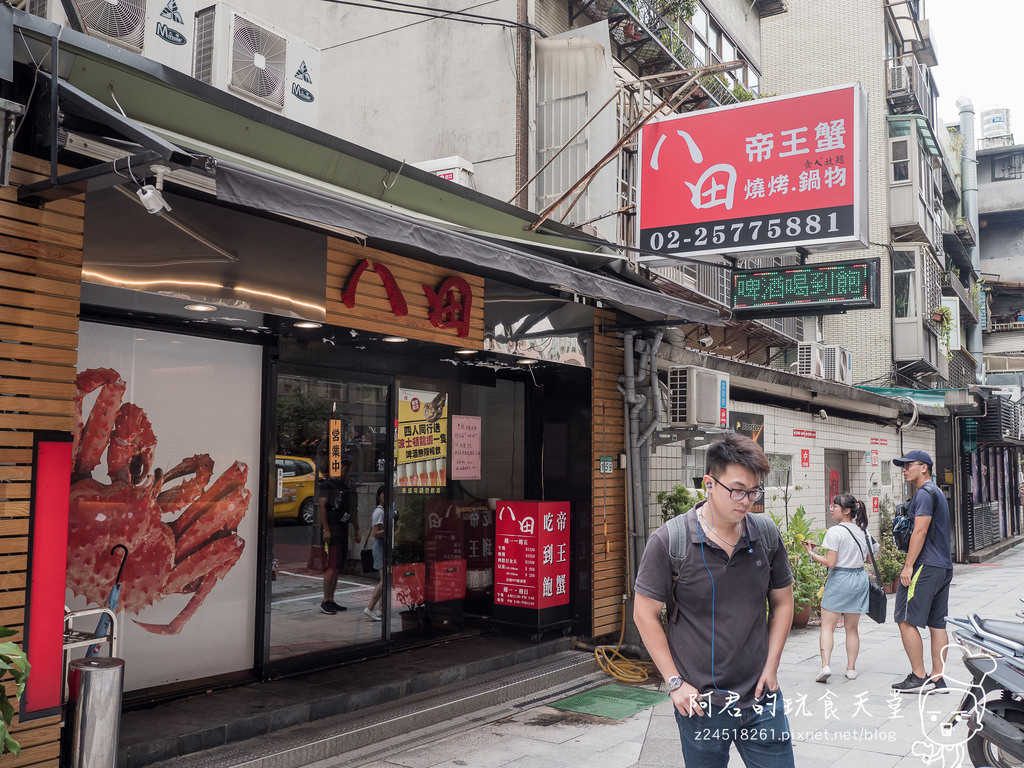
94 699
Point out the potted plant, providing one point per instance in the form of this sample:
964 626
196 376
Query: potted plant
890 560
677 501
944 317
808 576
15 664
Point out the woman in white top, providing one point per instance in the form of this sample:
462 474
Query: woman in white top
846 589
377 527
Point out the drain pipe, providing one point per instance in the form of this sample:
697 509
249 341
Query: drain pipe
655 386
633 403
969 187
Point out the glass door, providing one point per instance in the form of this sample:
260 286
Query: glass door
321 523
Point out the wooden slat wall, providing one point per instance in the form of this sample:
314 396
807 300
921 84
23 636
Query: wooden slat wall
609 532
40 277
372 311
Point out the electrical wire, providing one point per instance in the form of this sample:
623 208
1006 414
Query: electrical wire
430 13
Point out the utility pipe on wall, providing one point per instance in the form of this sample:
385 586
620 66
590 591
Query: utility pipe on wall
969 189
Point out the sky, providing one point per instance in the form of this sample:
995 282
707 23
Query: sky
980 51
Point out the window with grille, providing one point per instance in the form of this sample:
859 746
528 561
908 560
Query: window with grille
1006 167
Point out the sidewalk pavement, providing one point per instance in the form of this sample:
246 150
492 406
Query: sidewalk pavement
840 724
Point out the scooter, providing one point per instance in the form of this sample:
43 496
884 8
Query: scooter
994 706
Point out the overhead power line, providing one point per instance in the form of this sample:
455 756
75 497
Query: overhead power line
392 6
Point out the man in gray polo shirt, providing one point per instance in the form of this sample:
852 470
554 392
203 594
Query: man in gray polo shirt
720 653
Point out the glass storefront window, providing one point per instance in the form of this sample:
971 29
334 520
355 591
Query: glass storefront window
302 580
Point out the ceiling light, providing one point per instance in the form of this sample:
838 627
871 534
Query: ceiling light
465 351
308 324
527 361
200 308
394 339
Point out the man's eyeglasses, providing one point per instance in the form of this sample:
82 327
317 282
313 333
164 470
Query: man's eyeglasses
738 494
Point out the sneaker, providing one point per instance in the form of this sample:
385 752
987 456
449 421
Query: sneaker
851 674
939 685
913 684
370 614
327 607
337 607
824 675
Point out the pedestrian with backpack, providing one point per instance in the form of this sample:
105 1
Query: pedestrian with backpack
846 547
724 578
337 510
922 597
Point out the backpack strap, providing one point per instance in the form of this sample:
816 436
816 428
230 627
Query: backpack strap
930 487
678 544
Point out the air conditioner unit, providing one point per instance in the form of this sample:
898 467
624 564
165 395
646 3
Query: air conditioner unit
810 359
698 397
161 30
838 363
240 53
899 80
455 169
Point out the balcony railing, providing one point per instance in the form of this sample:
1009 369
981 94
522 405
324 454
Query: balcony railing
907 87
952 286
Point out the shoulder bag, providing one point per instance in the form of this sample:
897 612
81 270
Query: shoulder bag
877 603
366 554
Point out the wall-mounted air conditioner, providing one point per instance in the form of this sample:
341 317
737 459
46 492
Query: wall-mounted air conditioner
698 397
838 363
454 168
247 56
810 359
161 30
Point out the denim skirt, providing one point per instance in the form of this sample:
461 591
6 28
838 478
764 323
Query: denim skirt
846 591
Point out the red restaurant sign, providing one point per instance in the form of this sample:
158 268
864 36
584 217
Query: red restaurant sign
531 557
764 175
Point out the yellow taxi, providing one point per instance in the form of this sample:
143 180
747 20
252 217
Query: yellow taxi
297 480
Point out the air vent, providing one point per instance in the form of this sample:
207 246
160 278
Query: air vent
123 21
258 61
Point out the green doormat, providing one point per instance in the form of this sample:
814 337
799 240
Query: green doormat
613 701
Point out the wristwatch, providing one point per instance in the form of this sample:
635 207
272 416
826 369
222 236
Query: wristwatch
674 683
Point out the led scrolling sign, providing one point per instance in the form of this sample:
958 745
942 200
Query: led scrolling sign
809 289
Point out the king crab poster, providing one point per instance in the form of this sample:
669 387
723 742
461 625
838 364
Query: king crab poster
166 465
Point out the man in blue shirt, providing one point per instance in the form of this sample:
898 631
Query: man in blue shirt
922 598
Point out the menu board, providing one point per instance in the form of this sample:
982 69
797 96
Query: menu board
531 557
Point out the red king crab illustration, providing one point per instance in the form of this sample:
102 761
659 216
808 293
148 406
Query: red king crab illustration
181 538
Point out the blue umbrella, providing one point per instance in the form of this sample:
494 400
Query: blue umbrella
103 625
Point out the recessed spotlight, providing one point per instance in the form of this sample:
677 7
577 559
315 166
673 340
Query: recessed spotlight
394 339
465 351
307 324
200 308
527 361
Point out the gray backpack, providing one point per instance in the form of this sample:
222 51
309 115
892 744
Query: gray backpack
679 545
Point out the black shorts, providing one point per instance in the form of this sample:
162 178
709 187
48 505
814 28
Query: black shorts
925 602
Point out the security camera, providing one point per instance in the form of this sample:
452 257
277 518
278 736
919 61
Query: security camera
152 199
823 415
706 341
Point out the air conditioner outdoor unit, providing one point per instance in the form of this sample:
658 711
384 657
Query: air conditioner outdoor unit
240 53
899 80
454 168
698 397
810 359
838 364
161 30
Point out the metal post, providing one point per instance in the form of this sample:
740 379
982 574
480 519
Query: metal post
95 722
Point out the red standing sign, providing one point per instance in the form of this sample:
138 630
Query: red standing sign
531 558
